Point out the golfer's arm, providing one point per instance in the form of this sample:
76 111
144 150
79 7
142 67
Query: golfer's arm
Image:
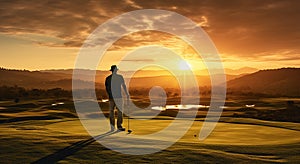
106 86
125 89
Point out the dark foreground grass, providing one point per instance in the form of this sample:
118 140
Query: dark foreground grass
192 153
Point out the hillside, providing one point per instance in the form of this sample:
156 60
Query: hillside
63 78
243 70
37 79
284 81
28 79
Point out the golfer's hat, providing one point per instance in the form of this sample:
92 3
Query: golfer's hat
113 68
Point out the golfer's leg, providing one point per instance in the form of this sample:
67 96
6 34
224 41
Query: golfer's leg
112 113
120 113
120 118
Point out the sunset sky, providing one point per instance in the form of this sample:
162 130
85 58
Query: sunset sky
38 35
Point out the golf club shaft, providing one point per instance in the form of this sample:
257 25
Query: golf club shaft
128 114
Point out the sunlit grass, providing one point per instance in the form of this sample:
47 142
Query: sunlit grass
233 140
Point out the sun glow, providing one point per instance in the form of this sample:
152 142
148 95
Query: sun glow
183 65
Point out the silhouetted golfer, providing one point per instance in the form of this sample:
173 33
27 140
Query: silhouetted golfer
113 84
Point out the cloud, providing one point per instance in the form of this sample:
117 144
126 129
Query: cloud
70 21
248 28
241 28
133 4
284 55
138 60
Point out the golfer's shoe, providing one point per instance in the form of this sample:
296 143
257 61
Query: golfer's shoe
112 128
121 129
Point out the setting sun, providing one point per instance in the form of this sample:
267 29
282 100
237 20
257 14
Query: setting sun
183 65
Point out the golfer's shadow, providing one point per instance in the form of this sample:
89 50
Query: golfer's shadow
67 151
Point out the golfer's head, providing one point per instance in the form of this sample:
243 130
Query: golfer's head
114 68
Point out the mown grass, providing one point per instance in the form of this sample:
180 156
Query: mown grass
64 140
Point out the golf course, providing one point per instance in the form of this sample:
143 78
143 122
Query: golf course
49 131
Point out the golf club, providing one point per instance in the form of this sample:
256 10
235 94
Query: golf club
129 131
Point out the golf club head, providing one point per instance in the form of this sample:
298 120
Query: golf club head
129 131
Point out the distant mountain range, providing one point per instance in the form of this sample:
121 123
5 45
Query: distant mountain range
62 78
243 70
240 71
284 81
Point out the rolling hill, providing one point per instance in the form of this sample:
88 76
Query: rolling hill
284 81
63 78
37 79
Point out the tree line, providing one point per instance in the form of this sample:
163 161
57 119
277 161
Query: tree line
16 92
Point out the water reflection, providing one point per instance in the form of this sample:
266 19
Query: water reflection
184 107
179 106
59 103
104 100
